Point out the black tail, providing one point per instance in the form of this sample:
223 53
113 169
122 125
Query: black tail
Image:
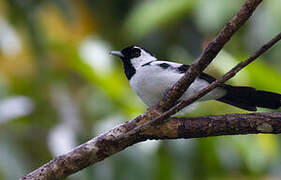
249 98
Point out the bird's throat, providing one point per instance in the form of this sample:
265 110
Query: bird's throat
129 69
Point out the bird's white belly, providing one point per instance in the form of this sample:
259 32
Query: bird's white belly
150 86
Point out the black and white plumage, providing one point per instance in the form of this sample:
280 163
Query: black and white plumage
150 78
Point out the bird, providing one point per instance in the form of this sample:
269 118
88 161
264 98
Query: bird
150 79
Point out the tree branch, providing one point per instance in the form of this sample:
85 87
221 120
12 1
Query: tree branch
107 144
165 115
206 126
114 141
201 63
210 52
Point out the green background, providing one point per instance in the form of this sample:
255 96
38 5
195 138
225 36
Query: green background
59 87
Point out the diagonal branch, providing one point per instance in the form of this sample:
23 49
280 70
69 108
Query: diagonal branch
210 52
114 141
164 116
129 133
201 63
107 144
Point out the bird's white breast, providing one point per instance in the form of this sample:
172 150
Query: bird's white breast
151 82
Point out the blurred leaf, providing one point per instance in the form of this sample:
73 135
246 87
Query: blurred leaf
224 62
112 85
148 15
54 33
212 15
164 170
65 7
264 77
268 144
11 158
255 158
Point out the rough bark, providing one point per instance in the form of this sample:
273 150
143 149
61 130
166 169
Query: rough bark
109 143
183 103
114 140
210 52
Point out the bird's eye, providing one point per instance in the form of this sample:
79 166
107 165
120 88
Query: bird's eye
135 53
131 52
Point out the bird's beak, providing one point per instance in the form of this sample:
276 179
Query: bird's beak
116 53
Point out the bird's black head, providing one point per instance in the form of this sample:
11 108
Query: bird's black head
128 53
133 57
131 52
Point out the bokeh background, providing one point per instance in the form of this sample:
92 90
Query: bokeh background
59 87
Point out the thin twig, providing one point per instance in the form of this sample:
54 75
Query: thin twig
182 104
210 52
111 142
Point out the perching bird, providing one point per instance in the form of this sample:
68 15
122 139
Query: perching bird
150 78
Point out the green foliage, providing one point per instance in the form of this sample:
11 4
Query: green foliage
59 87
148 15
